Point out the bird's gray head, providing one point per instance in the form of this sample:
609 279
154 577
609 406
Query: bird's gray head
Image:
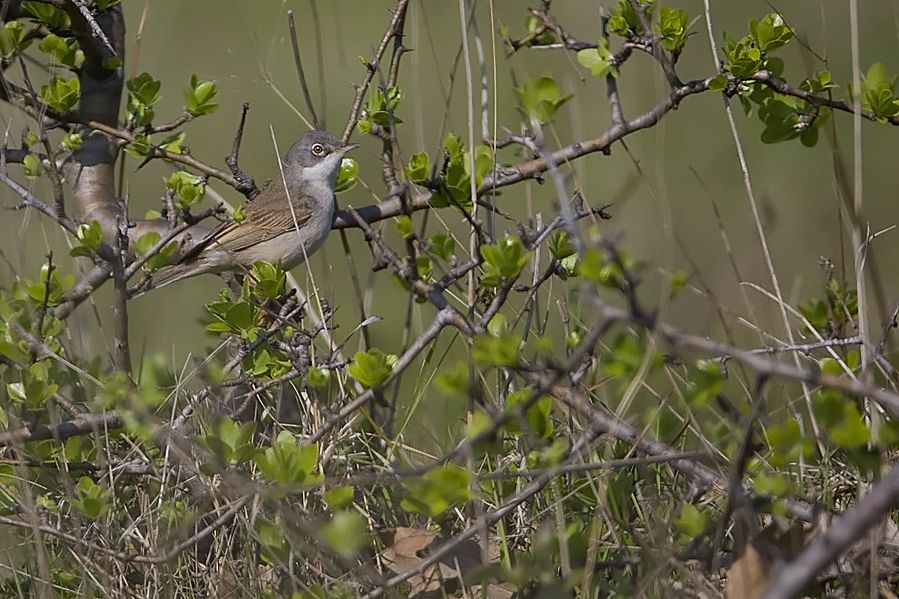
317 155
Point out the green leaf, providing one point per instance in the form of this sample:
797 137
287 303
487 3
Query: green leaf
346 533
537 415
189 189
419 168
706 384
503 260
744 58
692 522
442 245
231 443
140 146
72 141
61 94
673 28
31 166
878 92
347 175
452 143
775 485
143 94
540 98
679 279
371 368
496 351
546 37
560 245
599 60
317 378
285 463
12 36
198 97
454 380
47 14
595 268
90 238
851 432
498 325
718 83
380 108
269 281
90 498
479 424
275 546
440 489
173 144
820 82
62 50
624 20
787 444
770 33
339 498
404 227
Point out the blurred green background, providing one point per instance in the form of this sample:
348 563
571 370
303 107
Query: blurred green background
663 186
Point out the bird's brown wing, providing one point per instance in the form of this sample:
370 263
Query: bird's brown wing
267 216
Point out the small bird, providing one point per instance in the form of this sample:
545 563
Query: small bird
287 221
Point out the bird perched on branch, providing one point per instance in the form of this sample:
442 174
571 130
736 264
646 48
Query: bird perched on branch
287 221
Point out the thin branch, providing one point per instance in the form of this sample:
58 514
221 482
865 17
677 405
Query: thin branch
372 68
246 184
295 44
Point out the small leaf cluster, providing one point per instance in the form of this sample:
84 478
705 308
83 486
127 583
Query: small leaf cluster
438 490
63 51
624 21
230 442
750 54
242 317
540 98
285 463
372 368
90 498
198 97
878 92
600 60
54 18
503 260
34 388
453 187
38 292
189 188
143 94
673 29
61 94
12 38
380 109
90 238
835 312
545 37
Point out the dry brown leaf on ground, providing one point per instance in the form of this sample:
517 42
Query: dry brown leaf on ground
405 548
752 571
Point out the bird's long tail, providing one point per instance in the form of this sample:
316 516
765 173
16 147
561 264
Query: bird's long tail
170 274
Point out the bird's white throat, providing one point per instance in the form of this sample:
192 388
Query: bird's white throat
323 173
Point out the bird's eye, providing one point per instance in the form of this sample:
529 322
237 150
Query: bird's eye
318 150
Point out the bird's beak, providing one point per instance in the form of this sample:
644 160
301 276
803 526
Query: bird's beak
342 150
